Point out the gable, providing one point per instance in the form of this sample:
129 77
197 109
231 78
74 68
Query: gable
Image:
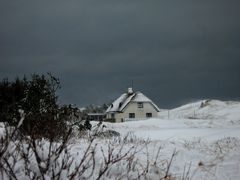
121 103
145 104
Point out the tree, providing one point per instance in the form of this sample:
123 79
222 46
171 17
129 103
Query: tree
11 96
43 116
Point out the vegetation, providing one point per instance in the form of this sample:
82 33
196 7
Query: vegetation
38 139
93 109
98 157
34 104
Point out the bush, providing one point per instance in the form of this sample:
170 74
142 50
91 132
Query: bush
90 158
12 95
36 99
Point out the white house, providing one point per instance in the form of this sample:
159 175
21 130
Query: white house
131 106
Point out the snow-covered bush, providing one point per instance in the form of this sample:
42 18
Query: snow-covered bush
87 158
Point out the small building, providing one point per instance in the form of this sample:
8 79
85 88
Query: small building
131 106
96 116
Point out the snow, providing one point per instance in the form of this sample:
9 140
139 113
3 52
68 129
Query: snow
115 105
205 136
125 99
211 109
161 129
140 97
22 115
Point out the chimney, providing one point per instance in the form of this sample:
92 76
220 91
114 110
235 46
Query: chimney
130 91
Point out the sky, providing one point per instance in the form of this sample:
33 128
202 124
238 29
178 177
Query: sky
174 52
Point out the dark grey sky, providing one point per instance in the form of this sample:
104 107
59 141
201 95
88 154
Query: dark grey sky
174 51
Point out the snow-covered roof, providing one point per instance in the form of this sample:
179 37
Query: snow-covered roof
120 103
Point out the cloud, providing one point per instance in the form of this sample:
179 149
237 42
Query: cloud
172 50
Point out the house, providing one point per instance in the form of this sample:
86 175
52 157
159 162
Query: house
131 106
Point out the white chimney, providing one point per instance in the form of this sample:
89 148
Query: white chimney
130 90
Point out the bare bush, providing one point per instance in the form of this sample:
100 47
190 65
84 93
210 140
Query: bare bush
88 158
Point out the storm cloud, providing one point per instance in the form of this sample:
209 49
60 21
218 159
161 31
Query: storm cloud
173 51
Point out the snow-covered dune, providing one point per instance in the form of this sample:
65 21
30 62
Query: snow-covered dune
206 135
205 109
210 119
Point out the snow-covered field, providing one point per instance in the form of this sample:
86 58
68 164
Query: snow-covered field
205 135
196 141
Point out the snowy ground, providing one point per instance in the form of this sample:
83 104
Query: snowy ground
203 136
206 136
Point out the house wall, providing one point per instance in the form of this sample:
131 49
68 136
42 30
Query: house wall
140 113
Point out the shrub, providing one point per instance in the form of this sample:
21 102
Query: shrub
37 100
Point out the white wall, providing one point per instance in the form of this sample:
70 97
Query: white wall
140 113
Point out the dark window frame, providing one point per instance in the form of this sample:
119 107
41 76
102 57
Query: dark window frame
131 115
140 104
148 115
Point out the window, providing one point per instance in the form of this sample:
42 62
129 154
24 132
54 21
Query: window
131 115
120 105
140 105
148 115
112 116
